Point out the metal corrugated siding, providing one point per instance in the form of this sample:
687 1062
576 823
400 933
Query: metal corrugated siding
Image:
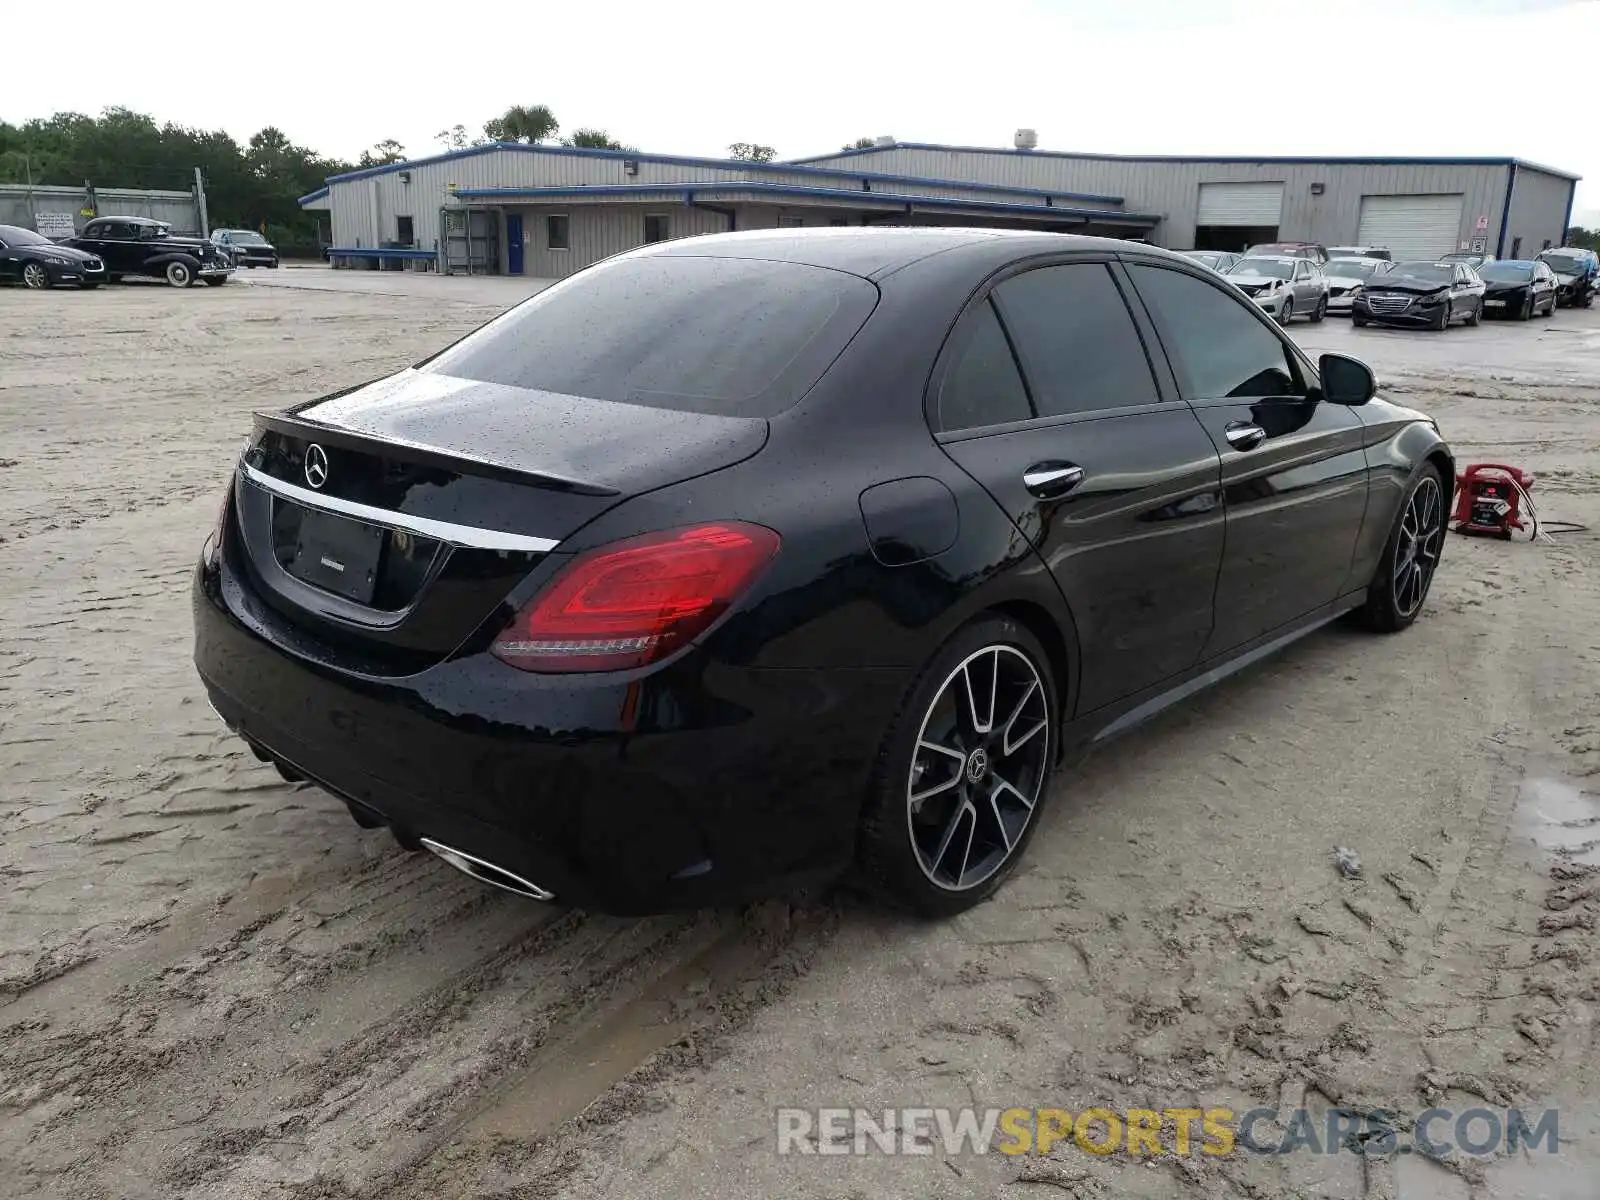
1539 206
595 232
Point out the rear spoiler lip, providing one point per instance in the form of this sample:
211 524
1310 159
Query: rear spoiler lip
335 435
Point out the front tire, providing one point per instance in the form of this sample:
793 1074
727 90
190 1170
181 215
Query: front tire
1405 573
89 285
216 280
1320 311
963 771
1551 311
1445 316
35 276
1358 322
1475 317
1527 309
179 275
1286 312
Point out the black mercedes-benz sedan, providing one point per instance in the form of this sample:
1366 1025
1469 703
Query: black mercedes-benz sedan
1430 294
733 561
34 261
1518 288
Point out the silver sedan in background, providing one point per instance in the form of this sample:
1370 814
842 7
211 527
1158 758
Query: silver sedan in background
1346 278
1220 261
1282 287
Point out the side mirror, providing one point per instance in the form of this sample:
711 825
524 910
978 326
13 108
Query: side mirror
1345 380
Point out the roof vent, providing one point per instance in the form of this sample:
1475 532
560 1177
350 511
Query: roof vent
886 140
1026 139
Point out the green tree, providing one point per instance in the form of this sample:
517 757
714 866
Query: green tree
860 144
455 138
522 123
1588 239
752 152
382 154
595 139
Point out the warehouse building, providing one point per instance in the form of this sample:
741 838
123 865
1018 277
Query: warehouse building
550 210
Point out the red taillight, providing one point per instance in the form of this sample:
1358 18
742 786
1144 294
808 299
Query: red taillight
636 601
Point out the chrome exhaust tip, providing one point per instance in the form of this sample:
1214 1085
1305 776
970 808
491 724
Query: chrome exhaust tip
486 872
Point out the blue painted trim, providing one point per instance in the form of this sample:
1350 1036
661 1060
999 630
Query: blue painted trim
722 164
1182 158
378 252
1102 215
310 196
1505 211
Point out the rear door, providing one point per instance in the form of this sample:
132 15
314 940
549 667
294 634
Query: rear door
1047 396
1294 473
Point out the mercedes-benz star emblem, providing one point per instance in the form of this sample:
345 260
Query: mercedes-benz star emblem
316 465
977 766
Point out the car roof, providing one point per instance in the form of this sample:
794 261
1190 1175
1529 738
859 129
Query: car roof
1354 258
1282 258
868 252
130 220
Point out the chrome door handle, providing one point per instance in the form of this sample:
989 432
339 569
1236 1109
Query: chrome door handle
1242 435
1048 480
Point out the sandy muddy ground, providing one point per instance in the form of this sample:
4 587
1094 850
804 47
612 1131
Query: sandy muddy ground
213 985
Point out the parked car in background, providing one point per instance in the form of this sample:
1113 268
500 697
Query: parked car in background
514 601
1346 278
246 247
1430 294
1576 273
1311 250
1518 288
1360 252
132 246
1220 261
1472 258
1283 287
34 261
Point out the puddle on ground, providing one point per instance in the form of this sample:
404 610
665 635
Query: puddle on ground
1561 818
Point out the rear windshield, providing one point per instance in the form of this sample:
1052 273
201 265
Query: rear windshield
1266 268
1350 268
724 336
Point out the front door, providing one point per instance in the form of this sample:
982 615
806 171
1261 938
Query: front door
10 265
514 243
1294 473
1115 484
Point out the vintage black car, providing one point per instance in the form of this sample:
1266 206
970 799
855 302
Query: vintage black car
36 262
1517 288
140 246
1430 294
246 247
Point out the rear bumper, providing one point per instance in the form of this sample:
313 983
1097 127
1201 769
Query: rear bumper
701 783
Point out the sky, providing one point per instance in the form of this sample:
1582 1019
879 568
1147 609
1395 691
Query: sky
1304 77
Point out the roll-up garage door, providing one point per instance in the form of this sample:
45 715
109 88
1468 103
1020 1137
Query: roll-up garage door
1240 204
1411 226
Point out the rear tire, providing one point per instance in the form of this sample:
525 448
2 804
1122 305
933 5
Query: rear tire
1551 311
1405 572
963 771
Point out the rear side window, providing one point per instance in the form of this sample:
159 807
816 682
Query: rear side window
1217 343
983 386
723 336
1076 340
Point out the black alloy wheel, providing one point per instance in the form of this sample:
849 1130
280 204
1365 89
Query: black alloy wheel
963 771
1409 561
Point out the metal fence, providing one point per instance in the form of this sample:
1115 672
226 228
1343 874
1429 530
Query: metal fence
27 206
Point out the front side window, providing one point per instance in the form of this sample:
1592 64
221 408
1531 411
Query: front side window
1219 345
1079 347
983 386
556 232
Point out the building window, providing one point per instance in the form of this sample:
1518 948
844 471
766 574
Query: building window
556 232
655 227
1516 247
790 222
404 234
1548 243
